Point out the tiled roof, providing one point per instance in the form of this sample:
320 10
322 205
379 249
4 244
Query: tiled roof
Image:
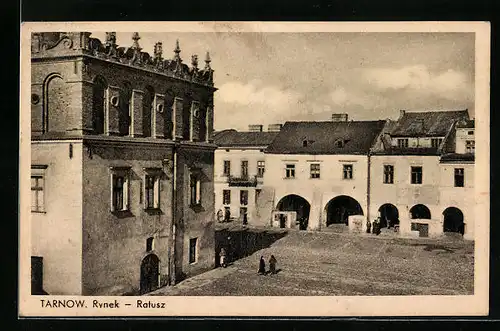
455 157
466 124
409 151
231 137
429 123
326 137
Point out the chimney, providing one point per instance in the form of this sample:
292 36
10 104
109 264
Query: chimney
255 128
274 127
339 117
401 113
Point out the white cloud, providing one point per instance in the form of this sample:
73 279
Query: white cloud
254 103
448 84
341 97
252 93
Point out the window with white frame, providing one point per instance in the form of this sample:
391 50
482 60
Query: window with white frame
195 189
470 146
244 197
38 188
152 188
416 175
244 169
388 174
261 168
119 188
315 170
459 177
436 142
347 171
227 168
226 197
403 143
290 171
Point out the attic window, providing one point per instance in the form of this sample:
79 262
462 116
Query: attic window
304 143
340 143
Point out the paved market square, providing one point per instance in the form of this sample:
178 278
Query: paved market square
341 264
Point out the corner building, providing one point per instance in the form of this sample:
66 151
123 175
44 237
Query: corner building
122 166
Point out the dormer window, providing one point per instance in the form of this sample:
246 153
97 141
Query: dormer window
304 143
403 143
340 143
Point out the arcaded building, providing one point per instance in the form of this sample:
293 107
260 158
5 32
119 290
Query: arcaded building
422 178
414 174
122 165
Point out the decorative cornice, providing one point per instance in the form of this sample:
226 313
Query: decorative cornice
64 45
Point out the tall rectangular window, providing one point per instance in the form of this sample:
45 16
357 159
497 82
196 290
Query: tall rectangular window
416 175
244 169
152 190
37 197
470 146
388 174
244 197
227 168
193 247
403 143
347 171
315 170
119 190
290 171
459 177
195 189
435 142
261 167
226 197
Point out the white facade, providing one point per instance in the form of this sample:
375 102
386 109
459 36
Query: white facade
62 175
317 191
235 157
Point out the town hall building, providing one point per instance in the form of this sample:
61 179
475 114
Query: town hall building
121 166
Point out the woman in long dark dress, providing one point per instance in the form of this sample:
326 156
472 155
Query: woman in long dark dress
272 264
262 266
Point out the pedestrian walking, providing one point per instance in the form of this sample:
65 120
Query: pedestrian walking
376 227
368 226
223 258
262 266
272 264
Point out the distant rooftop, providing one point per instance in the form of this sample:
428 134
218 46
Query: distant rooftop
428 123
466 124
232 138
350 137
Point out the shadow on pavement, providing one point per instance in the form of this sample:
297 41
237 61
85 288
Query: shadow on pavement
240 243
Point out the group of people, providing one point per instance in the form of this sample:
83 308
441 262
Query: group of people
375 225
272 265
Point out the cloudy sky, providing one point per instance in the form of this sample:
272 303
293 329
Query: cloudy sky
268 78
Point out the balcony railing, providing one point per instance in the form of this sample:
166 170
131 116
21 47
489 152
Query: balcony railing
242 180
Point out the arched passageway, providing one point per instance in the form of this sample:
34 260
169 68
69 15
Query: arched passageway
340 208
453 220
389 215
420 212
150 269
297 204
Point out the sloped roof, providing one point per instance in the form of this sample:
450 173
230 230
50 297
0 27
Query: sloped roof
466 124
429 123
322 137
231 137
455 157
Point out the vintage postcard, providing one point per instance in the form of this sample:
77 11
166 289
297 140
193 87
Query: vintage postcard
254 169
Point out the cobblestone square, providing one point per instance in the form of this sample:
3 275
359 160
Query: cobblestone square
323 263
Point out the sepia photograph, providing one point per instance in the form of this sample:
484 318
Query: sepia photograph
250 168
